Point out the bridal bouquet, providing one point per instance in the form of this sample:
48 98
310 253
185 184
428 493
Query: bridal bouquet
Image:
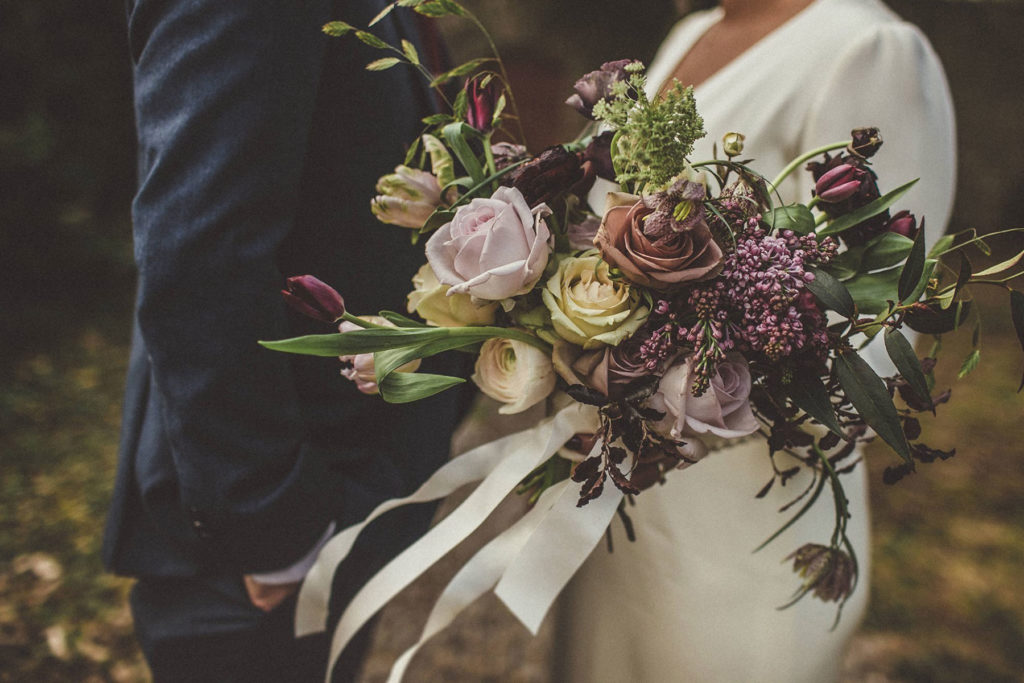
685 308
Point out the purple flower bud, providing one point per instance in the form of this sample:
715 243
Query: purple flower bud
311 297
597 85
903 223
839 183
482 101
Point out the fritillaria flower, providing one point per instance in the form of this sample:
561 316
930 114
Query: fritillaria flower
732 144
827 572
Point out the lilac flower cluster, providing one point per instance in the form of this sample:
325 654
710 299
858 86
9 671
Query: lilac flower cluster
660 340
760 303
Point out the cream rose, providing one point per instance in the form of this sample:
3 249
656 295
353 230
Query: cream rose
360 368
514 373
587 307
493 248
430 300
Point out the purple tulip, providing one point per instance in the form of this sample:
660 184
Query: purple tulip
482 101
839 183
311 297
866 142
903 223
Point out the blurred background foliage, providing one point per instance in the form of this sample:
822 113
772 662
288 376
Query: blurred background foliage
946 600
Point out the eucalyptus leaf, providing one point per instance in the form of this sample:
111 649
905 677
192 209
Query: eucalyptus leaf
832 293
867 211
809 394
906 361
913 268
795 217
868 394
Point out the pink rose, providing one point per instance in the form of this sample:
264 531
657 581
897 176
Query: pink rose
723 410
493 248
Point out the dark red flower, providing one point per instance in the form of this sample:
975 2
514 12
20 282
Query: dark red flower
314 298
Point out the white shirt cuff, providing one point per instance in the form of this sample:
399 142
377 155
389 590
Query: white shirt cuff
296 572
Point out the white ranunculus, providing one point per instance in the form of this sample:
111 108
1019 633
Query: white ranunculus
514 373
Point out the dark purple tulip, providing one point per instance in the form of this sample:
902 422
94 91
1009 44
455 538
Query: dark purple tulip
839 183
482 100
311 297
595 86
903 223
866 142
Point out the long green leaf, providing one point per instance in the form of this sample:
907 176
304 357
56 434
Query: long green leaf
910 275
1001 267
455 134
867 211
355 342
969 363
869 396
406 387
832 293
809 394
401 320
383 13
383 63
906 361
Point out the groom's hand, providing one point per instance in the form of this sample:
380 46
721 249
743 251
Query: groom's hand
267 596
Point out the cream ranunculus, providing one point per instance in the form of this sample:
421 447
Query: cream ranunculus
514 373
587 307
430 300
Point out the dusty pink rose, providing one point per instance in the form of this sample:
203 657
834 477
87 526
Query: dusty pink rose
581 235
493 248
360 367
723 410
608 369
655 248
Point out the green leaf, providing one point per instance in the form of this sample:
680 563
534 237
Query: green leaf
969 363
887 250
401 320
795 217
461 70
831 293
809 394
406 387
410 154
383 63
942 246
437 119
906 361
1001 267
961 280
383 13
867 211
1017 315
371 40
436 220
409 50
499 108
337 28
873 291
455 135
935 320
847 264
913 268
350 343
868 394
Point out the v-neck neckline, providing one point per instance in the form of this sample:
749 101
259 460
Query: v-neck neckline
711 20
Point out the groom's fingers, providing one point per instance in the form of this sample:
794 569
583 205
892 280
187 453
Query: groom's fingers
268 596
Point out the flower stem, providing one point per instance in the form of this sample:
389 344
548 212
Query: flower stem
504 73
795 164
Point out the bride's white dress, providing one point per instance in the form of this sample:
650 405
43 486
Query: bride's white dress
689 601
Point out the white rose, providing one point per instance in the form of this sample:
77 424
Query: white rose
430 300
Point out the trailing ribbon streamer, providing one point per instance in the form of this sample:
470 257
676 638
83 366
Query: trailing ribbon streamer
479 575
554 552
502 464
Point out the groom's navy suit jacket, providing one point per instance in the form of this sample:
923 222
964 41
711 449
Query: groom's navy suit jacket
260 140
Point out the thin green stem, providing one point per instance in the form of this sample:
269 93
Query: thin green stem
504 73
795 164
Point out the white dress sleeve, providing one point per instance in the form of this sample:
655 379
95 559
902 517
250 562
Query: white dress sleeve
891 78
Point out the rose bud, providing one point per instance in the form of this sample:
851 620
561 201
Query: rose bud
866 142
839 183
732 144
314 298
828 572
482 102
548 175
903 223
360 367
597 85
407 197
514 373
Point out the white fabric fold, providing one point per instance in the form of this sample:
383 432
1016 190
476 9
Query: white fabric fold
479 575
502 464
554 552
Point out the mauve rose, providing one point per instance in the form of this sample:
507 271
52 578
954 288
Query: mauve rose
607 370
514 373
581 235
655 248
493 248
360 367
723 410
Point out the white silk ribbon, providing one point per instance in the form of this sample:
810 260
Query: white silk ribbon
501 464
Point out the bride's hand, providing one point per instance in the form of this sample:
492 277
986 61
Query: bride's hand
267 596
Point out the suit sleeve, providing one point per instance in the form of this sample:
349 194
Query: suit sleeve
224 96
891 78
